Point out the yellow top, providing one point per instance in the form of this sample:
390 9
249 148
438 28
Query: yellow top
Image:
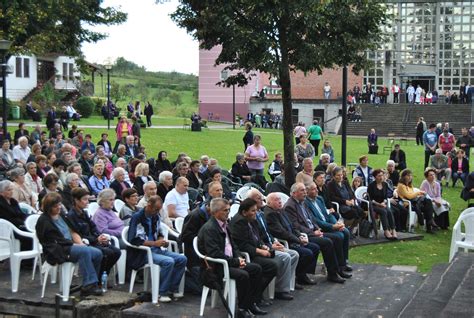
406 192
124 129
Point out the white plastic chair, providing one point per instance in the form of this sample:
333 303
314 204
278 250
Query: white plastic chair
149 267
178 224
412 217
92 208
234 209
230 290
463 240
172 247
30 224
26 208
121 265
242 193
118 205
67 271
7 231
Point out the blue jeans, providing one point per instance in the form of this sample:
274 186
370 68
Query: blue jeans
89 259
172 267
457 176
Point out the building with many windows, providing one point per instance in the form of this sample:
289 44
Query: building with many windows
431 43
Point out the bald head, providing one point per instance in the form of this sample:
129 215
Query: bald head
257 196
274 201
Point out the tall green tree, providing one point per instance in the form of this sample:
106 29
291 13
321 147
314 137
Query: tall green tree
46 26
280 36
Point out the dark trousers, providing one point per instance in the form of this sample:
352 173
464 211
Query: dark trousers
148 120
315 144
395 98
338 243
248 281
326 247
419 139
425 211
269 271
110 256
428 154
351 212
345 236
400 215
386 217
308 258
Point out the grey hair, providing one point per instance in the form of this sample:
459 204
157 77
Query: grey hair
239 156
72 166
295 186
324 155
70 176
203 157
217 204
4 185
163 175
15 173
23 138
390 163
121 146
29 164
307 160
117 171
253 193
146 184
105 195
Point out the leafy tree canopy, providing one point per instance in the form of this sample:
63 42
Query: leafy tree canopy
54 26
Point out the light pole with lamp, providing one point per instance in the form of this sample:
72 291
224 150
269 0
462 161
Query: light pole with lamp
4 47
108 67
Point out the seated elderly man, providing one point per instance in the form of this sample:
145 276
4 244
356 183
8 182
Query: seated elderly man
280 227
215 240
325 160
21 152
211 166
328 223
439 162
145 230
288 259
301 219
149 189
240 169
177 200
306 175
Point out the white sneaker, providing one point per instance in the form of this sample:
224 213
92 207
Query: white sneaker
178 295
165 299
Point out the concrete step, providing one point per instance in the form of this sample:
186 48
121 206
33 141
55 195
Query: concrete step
439 287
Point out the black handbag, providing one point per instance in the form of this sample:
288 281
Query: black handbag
365 227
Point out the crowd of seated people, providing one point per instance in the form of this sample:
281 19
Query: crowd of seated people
321 215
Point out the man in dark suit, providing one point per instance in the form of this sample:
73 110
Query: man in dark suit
328 224
280 227
131 148
104 142
215 240
246 235
399 157
20 133
301 220
51 118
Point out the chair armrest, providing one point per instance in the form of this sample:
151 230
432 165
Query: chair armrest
247 256
224 264
409 203
337 206
173 246
115 241
23 233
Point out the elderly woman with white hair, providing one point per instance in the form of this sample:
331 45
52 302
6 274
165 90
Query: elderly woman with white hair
142 176
106 220
32 180
72 182
21 192
119 184
98 181
392 173
165 184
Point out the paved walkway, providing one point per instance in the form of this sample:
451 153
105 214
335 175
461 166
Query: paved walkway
33 124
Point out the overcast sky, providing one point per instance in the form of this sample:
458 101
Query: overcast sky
147 38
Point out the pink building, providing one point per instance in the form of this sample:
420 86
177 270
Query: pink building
216 101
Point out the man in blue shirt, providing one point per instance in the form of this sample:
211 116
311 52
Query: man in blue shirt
430 139
145 230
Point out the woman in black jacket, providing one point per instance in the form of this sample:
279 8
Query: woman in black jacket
61 244
195 178
460 167
248 137
161 164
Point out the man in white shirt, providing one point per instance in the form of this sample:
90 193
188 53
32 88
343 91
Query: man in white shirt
327 91
21 152
177 200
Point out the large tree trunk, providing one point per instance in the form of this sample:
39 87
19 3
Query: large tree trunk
285 83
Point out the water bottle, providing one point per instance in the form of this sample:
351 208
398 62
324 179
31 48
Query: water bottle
104 281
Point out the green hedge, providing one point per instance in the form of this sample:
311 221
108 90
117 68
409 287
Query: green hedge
85 106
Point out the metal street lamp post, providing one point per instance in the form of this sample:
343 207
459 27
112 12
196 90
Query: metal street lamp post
108 67
344 117
4 47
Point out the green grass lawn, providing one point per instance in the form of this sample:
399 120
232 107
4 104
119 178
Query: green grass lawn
224 144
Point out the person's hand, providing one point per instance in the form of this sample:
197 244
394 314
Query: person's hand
383 205
421 193
263 252
278 246
304 240
331 210
161 243
318 233
103 239
242 262
348 202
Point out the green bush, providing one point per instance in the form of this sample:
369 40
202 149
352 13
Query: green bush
98 103
85 106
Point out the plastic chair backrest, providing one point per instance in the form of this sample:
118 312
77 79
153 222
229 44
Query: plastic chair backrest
193 194
6 237
30 222
92 208
360 193
242 193
118 205
26 208
468 220
234 209
284 198
178 223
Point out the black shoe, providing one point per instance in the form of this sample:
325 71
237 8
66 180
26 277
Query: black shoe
347 268
305 280
284 296
244 313
264 303
257 311
335 279
344 275
298 286
91 290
